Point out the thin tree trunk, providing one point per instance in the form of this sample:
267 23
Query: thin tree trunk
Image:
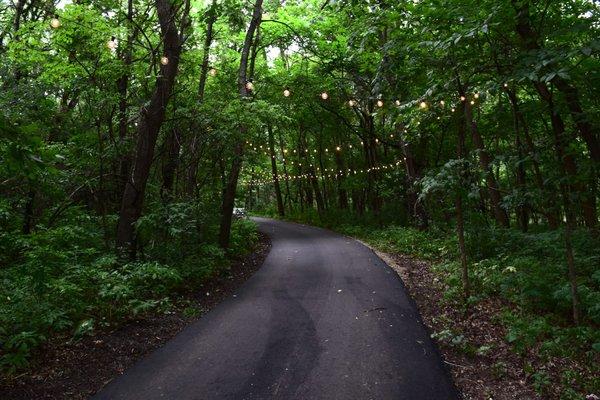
122 88
230 189
192 170
550 209
171 155
280 207
460 223
485 161
530 41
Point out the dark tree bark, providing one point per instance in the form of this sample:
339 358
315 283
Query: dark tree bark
171 162
550 210
122 88
567 161
485 161
280 207
230 189
150 122
342 194
460 221
413 174
530 41
192 170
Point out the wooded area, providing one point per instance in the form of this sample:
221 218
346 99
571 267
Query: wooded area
466 131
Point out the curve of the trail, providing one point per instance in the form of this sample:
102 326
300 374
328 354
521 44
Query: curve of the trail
323 318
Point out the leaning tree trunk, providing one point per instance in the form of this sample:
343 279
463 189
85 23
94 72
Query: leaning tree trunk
151 119
192 170
230 189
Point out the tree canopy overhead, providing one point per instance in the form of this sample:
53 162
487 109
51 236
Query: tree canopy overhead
130 130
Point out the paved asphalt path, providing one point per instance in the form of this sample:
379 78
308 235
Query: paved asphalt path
324 318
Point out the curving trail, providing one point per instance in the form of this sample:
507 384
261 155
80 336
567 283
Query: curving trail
324 318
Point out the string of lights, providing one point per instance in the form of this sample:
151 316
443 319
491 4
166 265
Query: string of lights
326 173
112 44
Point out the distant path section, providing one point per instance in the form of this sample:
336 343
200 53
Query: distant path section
324 318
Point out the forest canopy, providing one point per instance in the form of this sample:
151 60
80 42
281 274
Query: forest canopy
467 131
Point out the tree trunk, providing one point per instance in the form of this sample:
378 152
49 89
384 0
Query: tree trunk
230 189
550 208
460 223
484 160
192 170
280 208
122 89
170 164
567 161
151 119
413 174
530 41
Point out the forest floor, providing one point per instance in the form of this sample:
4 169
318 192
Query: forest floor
75 370
482 363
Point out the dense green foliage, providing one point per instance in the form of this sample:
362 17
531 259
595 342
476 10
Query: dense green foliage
462 131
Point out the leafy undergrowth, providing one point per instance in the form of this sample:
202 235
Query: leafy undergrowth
65 280
526 274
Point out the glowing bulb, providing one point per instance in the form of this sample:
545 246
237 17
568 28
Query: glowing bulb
338 148
379 103
112 43
212 72
423 104
397 102
442 103
164 60
324 96
476 95
351 103
505 85
453 109
287 93
55 22
249 85
462 98
472 102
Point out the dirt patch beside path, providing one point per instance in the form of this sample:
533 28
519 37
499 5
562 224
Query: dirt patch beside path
473 345
65 370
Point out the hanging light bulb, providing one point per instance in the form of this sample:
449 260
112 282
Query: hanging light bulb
453 109
286 92
472 102
112 43
423 104
212 72
164 60
55 22
338 148
476 95
379 103
505 85
351 103
397 102
462 98
249 85
324 96
442 103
